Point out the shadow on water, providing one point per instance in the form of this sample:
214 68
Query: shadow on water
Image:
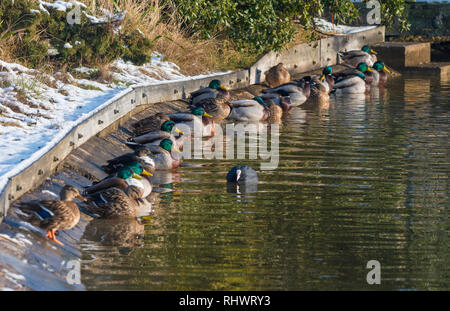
365 179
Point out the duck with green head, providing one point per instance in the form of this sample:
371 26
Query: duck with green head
141 154
360 68
150 124
380 73
249 110
215 89
352 84
321 86
131 175
195 120
154 138
167 156
353 58
297 91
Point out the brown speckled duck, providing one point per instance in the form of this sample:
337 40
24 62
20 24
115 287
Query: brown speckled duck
116 202
54 215
215 89
277 75
218 108
150 124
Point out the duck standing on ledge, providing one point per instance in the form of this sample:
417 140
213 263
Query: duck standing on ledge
150 124
54 215
155 137
277 75
215 89
353 58
142 155
197 119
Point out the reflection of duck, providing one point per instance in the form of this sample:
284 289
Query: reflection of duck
141 155
128 232
115 202
155 137
277 75
298 91
53 215
152 123
366 55
125 177
214 90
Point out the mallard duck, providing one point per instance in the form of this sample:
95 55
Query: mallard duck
277 75
115 202
214 90
142 155
298 91
197 119
130 175
360 68
155 137
353 58
218 108
380 73
321 87
255 110
54 215
163 156
152 123
351 84
275 98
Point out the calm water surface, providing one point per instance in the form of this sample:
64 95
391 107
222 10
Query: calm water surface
367 179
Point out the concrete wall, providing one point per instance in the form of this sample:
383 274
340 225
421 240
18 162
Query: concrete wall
300 58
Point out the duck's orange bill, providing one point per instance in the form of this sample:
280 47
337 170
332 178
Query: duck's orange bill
222 88
81 198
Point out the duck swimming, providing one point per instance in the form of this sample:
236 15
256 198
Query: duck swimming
277 75
164 157
351 84
54 215
360 68
321 87
155 137
380 73
353 58
298 91
215 89
255 110
218 108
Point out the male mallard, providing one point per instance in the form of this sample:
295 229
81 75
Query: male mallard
360 68
141 155
197 119
53 215
380 76
255 110
163 155
351 84
214 90
116 202
152 123
298 91
353 58
277 75
155 137
131 175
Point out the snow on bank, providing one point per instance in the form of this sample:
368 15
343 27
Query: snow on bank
329 27
37 110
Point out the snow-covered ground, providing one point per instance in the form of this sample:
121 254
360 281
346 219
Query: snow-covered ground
329 27
37 109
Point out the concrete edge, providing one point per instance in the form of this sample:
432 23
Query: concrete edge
300 58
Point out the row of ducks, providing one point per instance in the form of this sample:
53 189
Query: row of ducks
158 139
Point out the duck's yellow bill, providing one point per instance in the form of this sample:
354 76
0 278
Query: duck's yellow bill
222 88
370 69
207 115
81 198
322 78
137 176
179 131
387 70
176 149
373 52
146 173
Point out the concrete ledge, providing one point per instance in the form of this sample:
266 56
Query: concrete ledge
301 58
441 70
400 55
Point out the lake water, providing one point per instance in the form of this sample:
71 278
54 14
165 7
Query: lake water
365 180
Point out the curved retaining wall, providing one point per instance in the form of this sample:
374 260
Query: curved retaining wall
300 58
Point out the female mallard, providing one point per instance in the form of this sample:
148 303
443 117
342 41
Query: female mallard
379 75
155 137
142 155
255 110
164 158
353 58
152 123
214 90
54 215
196 120
321 87
351 84
116 202
131 175
298 91
277 75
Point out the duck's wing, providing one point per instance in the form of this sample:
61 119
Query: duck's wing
202 91
50 212
243 103
151 137
347 82
353 53
181 117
